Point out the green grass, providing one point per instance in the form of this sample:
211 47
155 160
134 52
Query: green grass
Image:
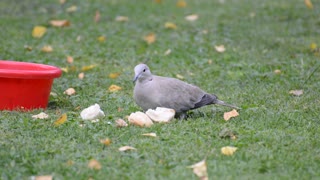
278 134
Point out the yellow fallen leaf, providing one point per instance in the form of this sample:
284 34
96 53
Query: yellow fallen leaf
114 88
65 69
122 19
69 162
101 38
89 67
181 3
170 25
106 141
228 150
192 17
200 169
70 91
277 71
296 92
150 134
313 46
179 76
72 9
210 61
47 177
97 16
28 48
41 115
230 114
114 75
81 75
62 119
38 31
150 38
47 49
62 1
126 148
60 23
94 164
220 48
308 3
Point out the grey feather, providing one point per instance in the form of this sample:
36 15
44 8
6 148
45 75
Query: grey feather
152 91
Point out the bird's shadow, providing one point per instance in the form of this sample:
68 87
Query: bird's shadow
200 114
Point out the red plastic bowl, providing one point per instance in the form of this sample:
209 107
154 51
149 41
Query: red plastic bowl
24 85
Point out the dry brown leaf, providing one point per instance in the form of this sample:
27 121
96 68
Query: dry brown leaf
296 92
62 1
121 19
106 141
114 75
126 148
70 163
181 3
228 150
140 119
114 88
220 48
97 16
81 75
46 177
277 71
158 1
170 25
150 134
38 31
47 49
94 164
230 114
70 59
200 169
308 3
60 23
72 9
62 119
121 123
150 38
41 115
192 17
89 67
70 91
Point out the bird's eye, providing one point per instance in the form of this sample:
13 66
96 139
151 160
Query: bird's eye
144 70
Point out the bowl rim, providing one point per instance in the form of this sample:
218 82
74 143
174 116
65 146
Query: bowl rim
17 69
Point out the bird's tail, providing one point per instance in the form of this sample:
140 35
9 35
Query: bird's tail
217 101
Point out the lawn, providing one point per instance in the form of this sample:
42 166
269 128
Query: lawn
277 132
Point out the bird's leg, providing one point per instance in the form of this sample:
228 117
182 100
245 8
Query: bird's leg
181 116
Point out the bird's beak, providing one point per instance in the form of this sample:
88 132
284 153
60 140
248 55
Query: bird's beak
135 78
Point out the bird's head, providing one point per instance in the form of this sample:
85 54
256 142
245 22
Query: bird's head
141 73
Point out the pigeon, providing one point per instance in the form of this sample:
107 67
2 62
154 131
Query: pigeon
153 91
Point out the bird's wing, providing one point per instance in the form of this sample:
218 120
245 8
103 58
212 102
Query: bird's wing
176 94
